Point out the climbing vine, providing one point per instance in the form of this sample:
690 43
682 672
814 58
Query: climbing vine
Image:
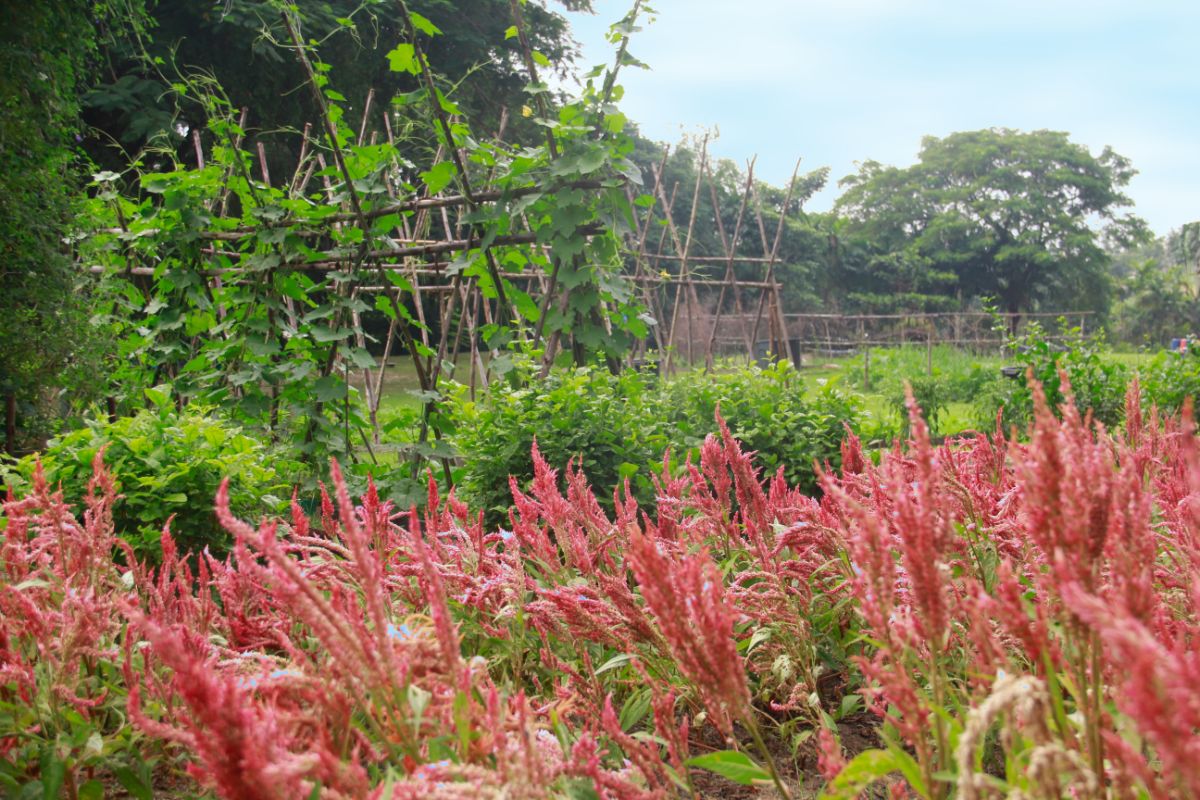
247 292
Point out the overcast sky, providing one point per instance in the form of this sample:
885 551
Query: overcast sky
839 81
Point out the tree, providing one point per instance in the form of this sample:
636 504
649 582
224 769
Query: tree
1022 217
1157 289
242 45
46 49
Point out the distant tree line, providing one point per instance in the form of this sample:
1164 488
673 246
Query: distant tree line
1020 220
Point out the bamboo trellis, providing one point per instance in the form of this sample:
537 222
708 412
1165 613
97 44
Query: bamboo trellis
692 295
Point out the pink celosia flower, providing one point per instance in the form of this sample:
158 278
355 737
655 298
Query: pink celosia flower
685 593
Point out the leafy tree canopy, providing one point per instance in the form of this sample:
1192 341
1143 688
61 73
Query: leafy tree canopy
242 45
47 52
1023 217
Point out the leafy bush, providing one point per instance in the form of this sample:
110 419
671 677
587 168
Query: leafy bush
1098 385
766 409
618 427
932 393
168 463
1170 378
609 424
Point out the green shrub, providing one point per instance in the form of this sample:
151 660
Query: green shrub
619 427
768 410
608 423
932 393
1099 385
1170 378
169 463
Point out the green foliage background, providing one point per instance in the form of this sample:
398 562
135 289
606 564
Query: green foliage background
169 465
618 428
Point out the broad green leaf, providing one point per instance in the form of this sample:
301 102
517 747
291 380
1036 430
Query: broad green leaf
133 784
53 772
160 395
526 306
615 122
627 469
423 24
361 358
92 790
329 388
863 770
404 59
323 334
439 176
732 764
592 159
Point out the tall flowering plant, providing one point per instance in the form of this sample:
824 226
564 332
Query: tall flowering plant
1018 616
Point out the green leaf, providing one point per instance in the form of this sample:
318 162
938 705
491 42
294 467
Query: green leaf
322 333
160 395
361 358
732 764
863 770
619 660
450 107
329 388
418 700
592 159
423 24
404 59
439 176
509 33
526 306
92 790
635 709
133 784
615 122
581 789
761 635
53 773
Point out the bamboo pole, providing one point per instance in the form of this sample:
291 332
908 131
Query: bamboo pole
774 254
682 249
730 248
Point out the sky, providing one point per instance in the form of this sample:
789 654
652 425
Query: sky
835 82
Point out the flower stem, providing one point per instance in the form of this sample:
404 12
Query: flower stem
766 754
